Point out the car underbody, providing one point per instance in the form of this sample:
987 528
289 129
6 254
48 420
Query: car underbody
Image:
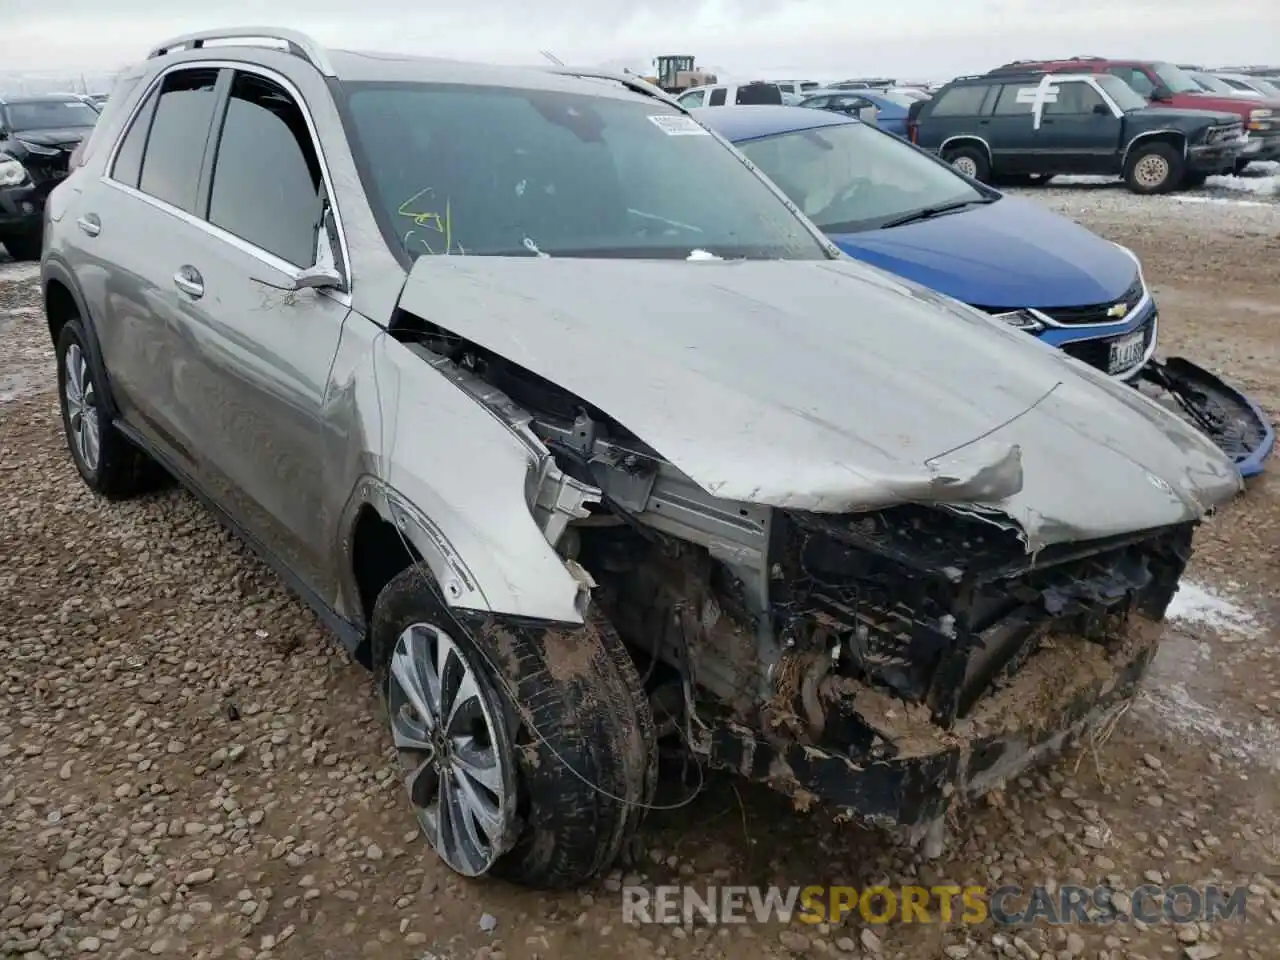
882 663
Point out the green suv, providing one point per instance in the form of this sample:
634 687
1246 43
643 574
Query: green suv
1020 126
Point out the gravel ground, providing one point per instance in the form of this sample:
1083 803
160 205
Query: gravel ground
190 767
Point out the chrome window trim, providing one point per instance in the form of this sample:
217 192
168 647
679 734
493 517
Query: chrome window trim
245 246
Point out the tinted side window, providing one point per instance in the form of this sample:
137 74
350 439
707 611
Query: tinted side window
1074 98
960 102
128 165
1008 103
1134 78
179 131
717 97
756 93
266 177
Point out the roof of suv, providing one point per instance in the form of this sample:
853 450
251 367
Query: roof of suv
358 66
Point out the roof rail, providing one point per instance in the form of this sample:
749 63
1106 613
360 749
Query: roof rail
297 43
630 81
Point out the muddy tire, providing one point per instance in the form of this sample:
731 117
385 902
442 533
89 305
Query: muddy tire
108 463
1154 168
970 161
579 761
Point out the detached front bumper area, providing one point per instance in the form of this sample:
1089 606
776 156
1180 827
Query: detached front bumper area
1225 414
929 659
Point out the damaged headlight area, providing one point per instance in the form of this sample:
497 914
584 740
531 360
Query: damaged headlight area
12 172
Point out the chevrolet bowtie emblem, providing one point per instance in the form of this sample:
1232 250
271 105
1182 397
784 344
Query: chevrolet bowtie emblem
1118 310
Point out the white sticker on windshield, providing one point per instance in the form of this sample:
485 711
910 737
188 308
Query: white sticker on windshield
677 125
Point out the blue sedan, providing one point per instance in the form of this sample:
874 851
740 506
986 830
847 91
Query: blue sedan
888 109
887 203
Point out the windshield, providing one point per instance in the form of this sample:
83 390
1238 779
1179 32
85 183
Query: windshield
50 114
1212 84
494 171
850 176
1175 79
1125 96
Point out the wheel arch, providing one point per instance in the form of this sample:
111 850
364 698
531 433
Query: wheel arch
966 139
63 302
1175 138
383 531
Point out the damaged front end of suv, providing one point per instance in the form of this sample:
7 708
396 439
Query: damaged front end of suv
885 632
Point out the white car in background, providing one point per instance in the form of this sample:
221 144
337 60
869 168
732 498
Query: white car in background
732 95
1251 86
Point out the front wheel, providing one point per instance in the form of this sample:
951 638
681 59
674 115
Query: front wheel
971 161
1154 168
528 753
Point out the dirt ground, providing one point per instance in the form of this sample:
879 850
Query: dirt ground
190 767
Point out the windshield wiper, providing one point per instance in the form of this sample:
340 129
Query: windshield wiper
928 213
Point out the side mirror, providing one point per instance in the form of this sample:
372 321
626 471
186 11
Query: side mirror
326 274
1102 110
1161 93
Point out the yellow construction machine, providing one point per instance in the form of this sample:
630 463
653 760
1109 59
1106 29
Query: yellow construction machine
677 73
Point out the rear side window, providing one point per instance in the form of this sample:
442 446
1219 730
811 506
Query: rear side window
1008 104
717 97
176 142
266 177
128 165
960 102
756 93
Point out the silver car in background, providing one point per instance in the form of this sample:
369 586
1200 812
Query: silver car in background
579 436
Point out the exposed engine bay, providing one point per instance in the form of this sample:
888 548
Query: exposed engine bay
866 638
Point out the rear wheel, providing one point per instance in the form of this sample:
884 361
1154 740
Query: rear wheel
1239 167
528 753
971 161
1154 168
107 461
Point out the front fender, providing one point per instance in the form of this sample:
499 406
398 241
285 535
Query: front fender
452 477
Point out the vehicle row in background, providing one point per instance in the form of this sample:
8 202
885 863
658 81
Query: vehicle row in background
901 210
885 108
1165 85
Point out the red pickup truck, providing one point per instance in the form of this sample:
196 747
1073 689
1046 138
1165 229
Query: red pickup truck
1165 83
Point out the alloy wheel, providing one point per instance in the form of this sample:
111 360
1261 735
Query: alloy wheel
458 772
82 407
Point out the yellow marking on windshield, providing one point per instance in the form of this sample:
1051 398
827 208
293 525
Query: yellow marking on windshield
429 218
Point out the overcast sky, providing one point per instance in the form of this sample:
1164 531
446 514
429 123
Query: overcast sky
825 39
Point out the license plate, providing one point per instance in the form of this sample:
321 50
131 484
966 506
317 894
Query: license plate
1126 352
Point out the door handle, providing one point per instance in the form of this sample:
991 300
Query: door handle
983 123
189 281
90 224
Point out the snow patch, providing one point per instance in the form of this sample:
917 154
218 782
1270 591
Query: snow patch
1196 605
1221 201
1264 186
18 272
1186 693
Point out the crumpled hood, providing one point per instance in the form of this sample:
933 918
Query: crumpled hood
1011 253
830 386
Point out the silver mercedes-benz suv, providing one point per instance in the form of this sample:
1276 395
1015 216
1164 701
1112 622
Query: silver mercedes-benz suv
580 436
